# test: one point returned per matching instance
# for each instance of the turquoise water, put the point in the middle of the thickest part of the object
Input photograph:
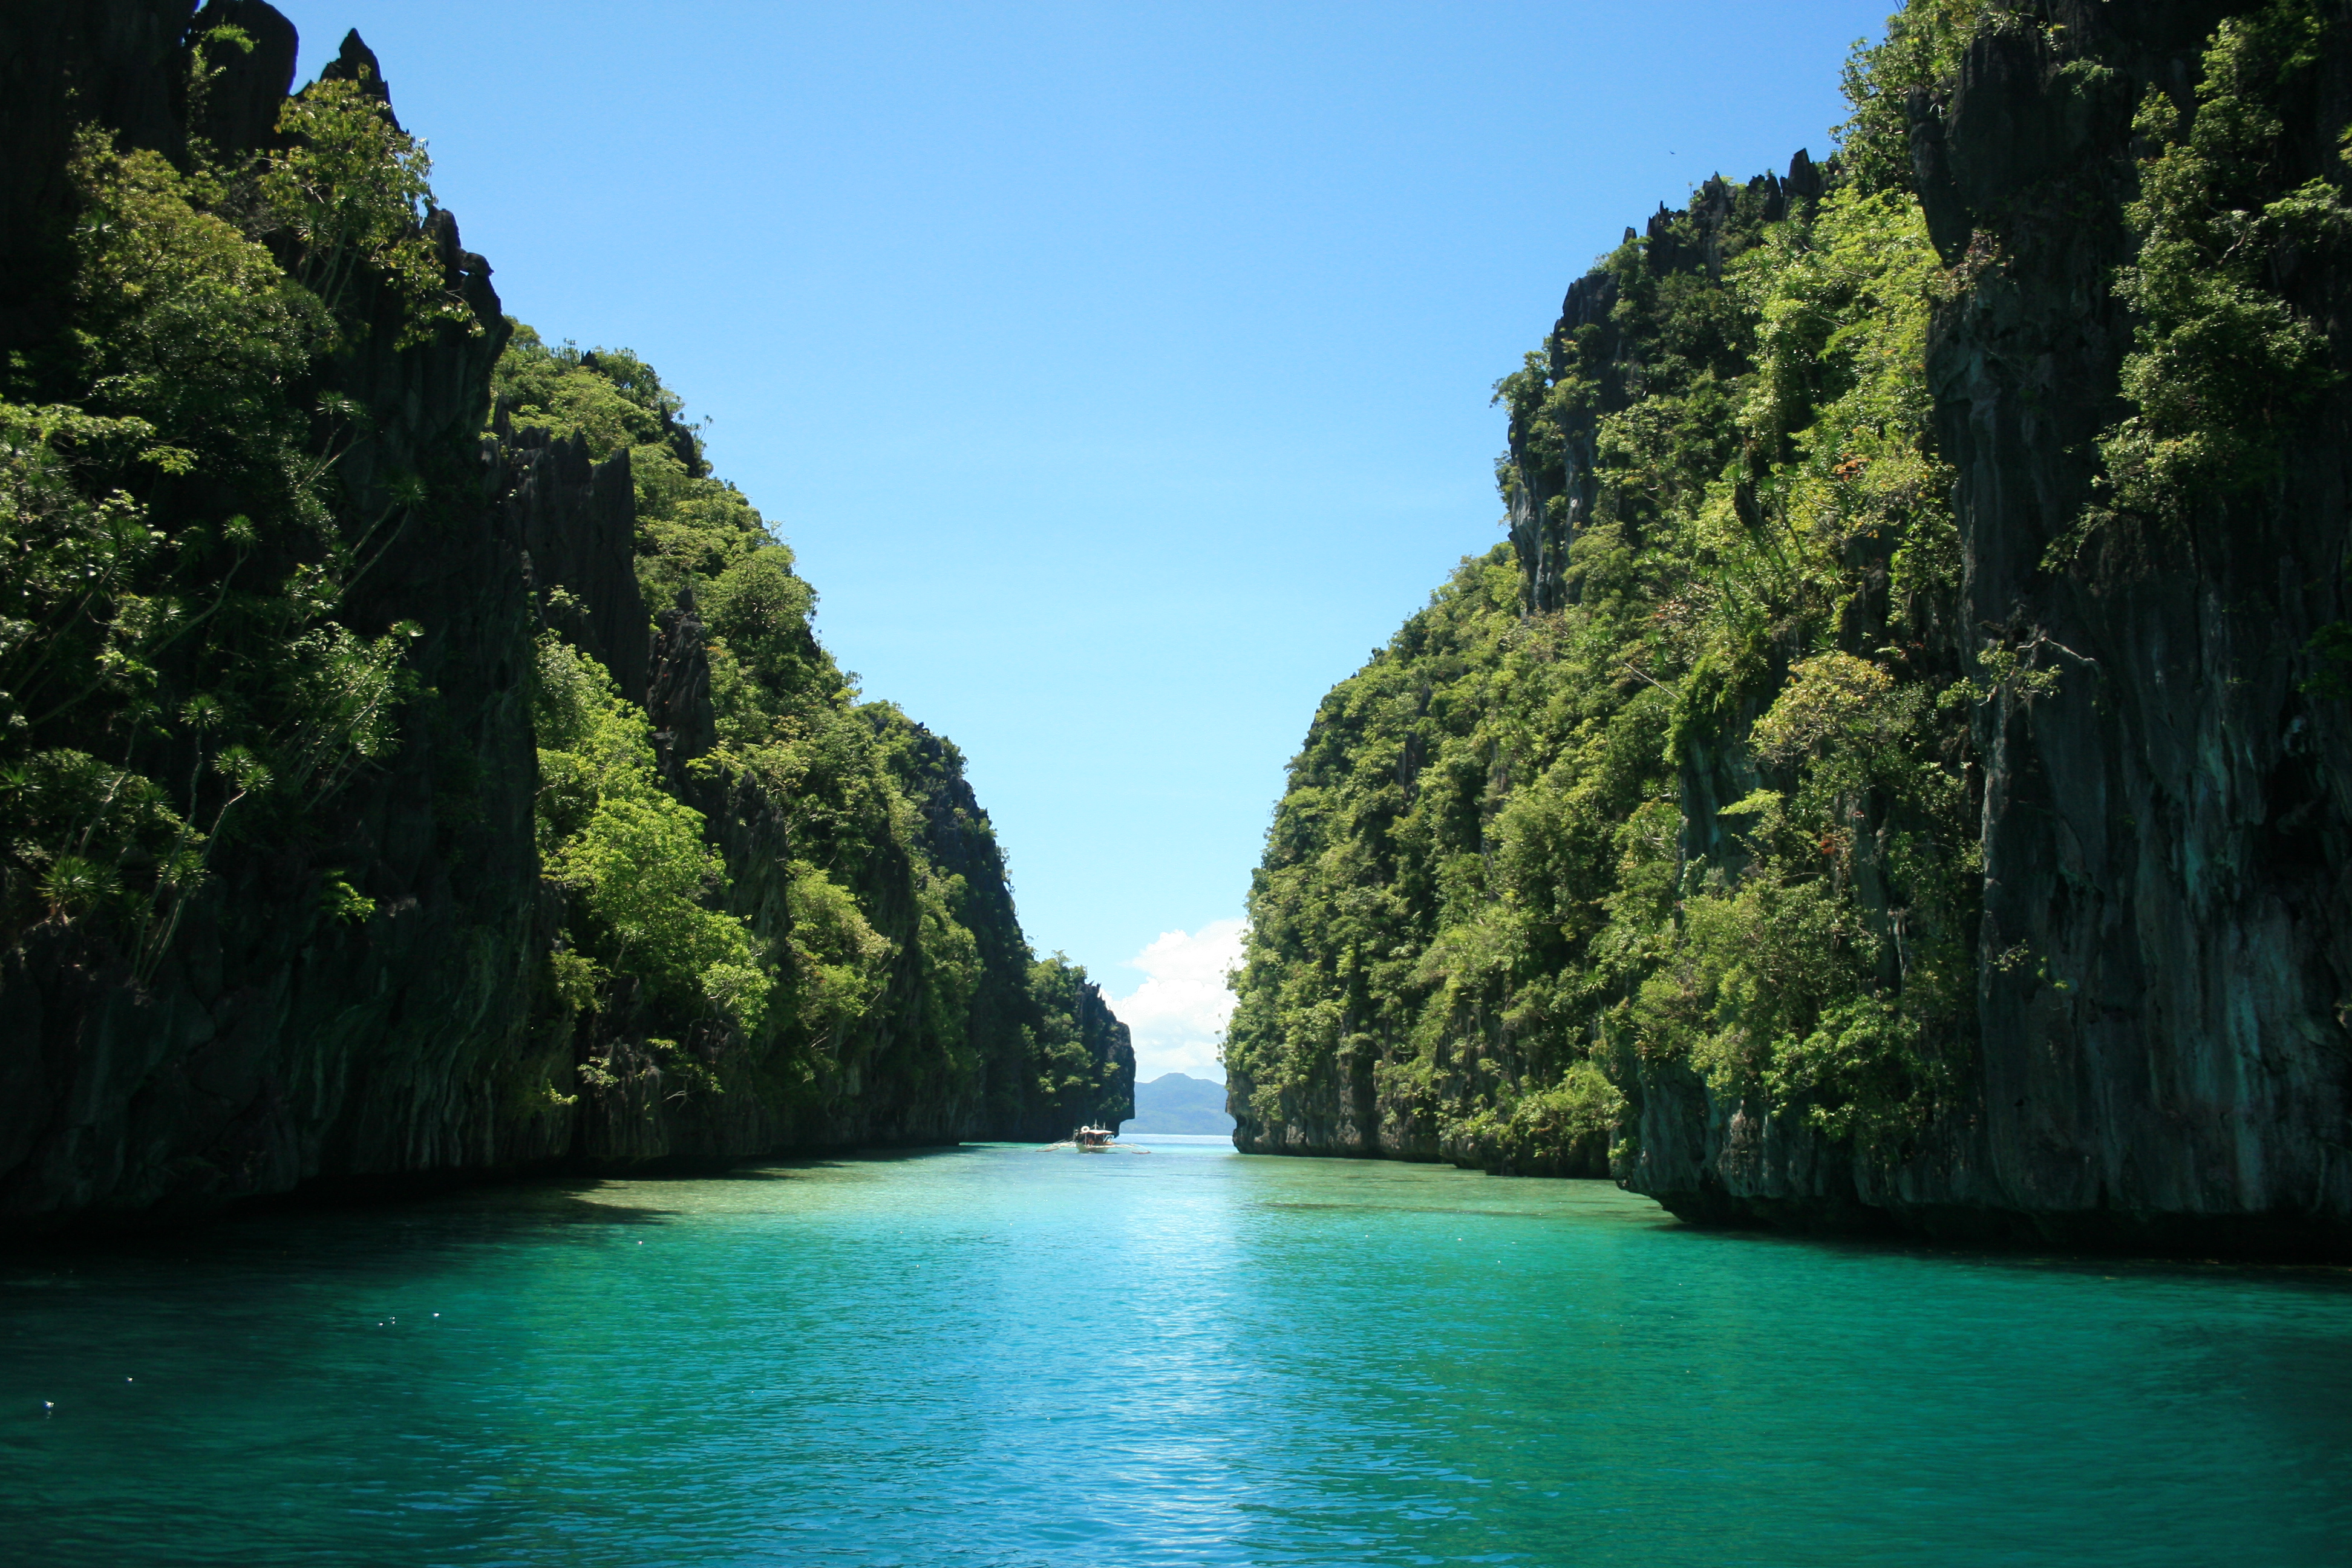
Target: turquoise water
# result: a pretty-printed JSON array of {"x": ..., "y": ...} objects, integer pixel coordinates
[{"x": 996, "y": 1355}]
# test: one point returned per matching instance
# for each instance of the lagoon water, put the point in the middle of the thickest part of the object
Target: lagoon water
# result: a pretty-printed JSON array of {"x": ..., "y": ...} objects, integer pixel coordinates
[{"x": 995, "y": 1355}]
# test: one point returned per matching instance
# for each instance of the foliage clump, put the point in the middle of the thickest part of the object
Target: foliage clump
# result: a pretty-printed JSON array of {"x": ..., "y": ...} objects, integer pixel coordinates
[
  {"x": 182, "y": 659},
  {"x": 631, "y": 854},
  {"x": 2222, "y": 364}
]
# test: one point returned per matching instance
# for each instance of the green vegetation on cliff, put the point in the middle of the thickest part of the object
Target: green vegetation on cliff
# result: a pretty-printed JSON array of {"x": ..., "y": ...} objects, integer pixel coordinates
[
  {"x": 179, "y": 666},
  {"x": 1487, "y": 889},
  {"x": 1666, "y": 822},
  {"x": 631, "y": 857},
  {"x": 1682, "y": 784},
  {"x": 872, "y": 937},
  {"x": 346, "y": 784}
]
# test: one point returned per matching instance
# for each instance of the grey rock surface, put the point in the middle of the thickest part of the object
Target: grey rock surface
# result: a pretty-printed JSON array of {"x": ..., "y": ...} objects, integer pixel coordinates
[{"x": 2158, "y": 1039}]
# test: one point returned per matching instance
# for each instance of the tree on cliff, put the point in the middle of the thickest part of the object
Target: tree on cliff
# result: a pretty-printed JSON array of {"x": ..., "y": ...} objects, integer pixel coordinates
[{"x": 179, "y": 663}]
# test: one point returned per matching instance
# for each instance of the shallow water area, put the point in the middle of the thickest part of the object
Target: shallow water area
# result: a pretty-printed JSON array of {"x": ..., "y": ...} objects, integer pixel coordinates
[{"x": 1167, "y": 1355}]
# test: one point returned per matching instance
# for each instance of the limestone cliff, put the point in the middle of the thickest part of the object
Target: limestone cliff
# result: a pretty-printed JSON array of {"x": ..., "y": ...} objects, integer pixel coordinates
[
  {"x": 357, "y": 985},
  {"x": 2166, "y": 945},
  {"x": 2169, "y": 829},
  {"x": 271, "y": 1044},
  {"x": 1897, "y": 775}
]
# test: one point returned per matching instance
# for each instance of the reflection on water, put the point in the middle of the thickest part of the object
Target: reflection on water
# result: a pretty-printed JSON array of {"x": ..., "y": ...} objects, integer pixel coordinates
[{"x": 997, "y": 1355}]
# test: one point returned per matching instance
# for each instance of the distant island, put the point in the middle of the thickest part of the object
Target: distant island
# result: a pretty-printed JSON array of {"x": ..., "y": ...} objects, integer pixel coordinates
[{"x": 1175, "y": 1103}]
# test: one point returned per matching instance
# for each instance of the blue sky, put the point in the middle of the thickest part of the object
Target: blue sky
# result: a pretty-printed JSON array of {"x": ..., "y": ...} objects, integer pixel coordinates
[{"x": 1120, "y": 373}]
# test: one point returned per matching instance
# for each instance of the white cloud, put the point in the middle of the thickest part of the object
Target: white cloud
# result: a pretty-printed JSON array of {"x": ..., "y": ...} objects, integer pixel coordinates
[{"x": 1178, "y": 1011}]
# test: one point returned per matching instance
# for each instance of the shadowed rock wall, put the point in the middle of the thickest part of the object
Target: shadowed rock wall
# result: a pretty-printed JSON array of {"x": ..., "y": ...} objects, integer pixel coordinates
[
  {"x": 2166, "y": 948},
  {"x": 274, "y": 1046}
]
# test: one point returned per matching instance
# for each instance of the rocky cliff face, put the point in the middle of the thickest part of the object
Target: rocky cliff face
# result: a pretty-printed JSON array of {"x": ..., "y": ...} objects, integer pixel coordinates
[
  {"x": 271, "y": 1044},
  {"x": 2162, "y": 1047},
  {"x": 884, "y": 1077},
  {"x": 2058, "y": 951},
  {"x": 363, "y": 992},
  {"x": 2170, "y": 828},
  {"x": 576, "y": 522}
]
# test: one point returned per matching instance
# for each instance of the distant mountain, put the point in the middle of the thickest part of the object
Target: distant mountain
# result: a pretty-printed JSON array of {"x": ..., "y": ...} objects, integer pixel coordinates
[{"x": 1174, "y": 1103}]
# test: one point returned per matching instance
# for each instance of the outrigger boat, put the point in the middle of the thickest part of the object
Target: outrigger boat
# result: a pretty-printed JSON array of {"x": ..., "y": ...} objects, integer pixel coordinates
[{"x": 1095, "y": 1141}]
